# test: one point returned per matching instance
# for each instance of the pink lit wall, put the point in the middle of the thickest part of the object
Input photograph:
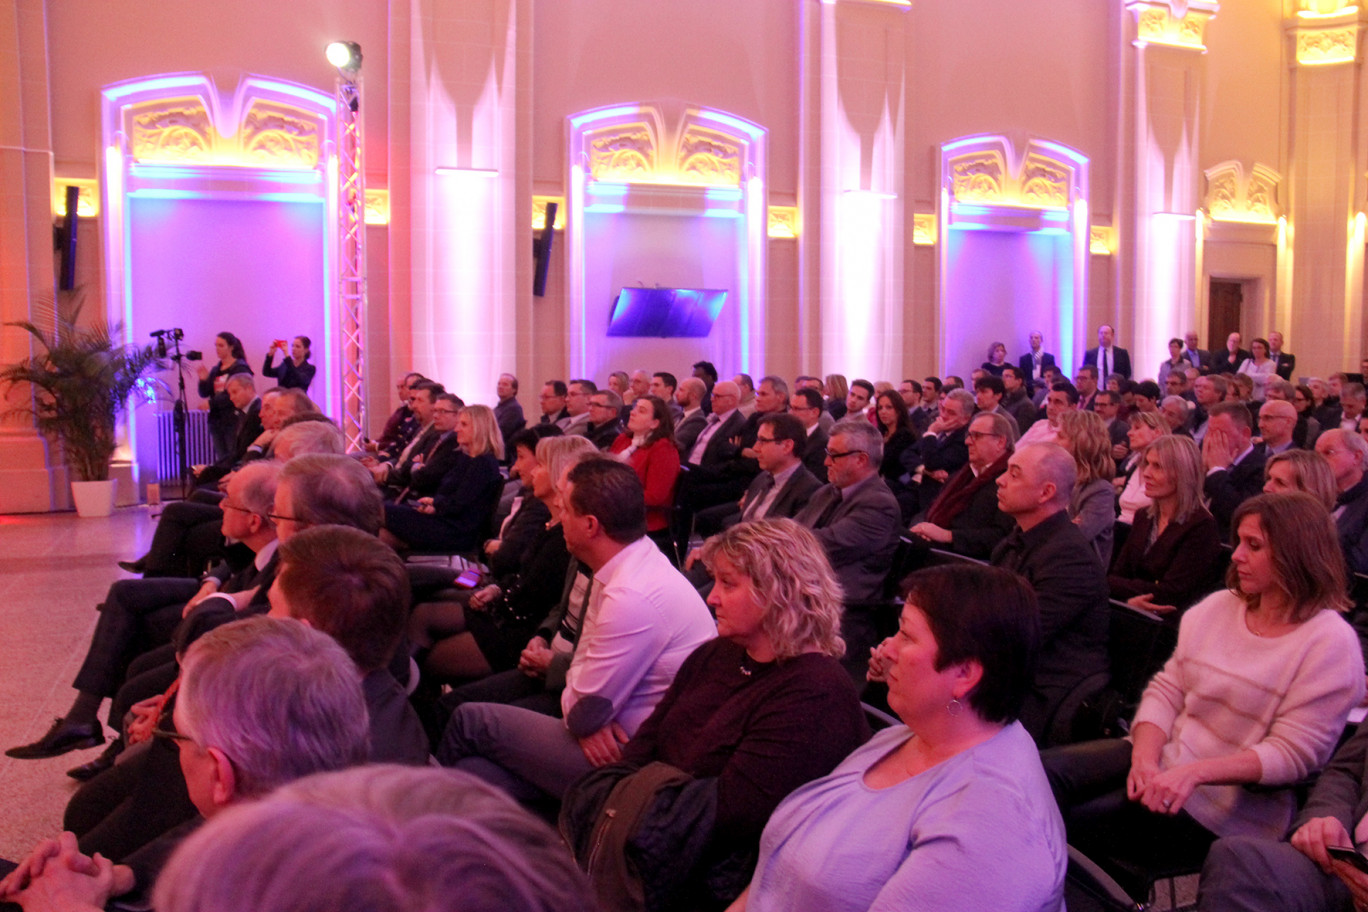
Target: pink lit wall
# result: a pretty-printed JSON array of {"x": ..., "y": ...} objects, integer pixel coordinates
[
  {"x": 251, "y": 268},
  {"x": 672, "y": 252}
]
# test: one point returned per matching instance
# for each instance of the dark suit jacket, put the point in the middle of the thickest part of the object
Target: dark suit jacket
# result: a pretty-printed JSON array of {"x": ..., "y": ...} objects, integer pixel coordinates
[
  {"x": 1352, "y": 526},
  {"x": 860, "y": 534},
  {"x": 1341, "y": 791},
  {"x": 687, "y": 431},
  {"x": 248, "y": 429},
  {"x": 1199, "y": 358},
  {"x": 792, "y": 497},
  {"x": 422, "y": 478},
  {"x": 1221, "y": 362},
  {"x": 720, "y": 451},
  {"x": 1183, "y": 565},
  {"x": 1228, "y": 489},
  {"x": 949, "y": 453},
  {"x": 1027, "y": 365},
  {"x": 1071, "y": 589},
  {"x": 976, "y": 530},
  {"x": 1122, "y": 365},
  {"x": 814, "y": 455},
  {"x": 509, "y": 415},
  {"x": 1285, "y": 364}
]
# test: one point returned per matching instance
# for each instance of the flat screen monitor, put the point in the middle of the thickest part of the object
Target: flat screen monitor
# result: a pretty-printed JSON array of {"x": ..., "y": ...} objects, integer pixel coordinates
[{"x": 666, "y": 313}]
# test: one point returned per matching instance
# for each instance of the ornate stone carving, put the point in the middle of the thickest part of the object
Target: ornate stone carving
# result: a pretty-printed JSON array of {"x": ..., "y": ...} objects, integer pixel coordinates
[
  {"x": 924, "y": 229},
  {"x": 783, "y": 222},
  {"x": 977, "y": 178},
  {"x": 1044, "y": 183},
  {"x": 377, "y": 207},
  {"x": 708, "y": 158},
  {"x": 1234, "y": 195},
  {"x": 1180, "y": 25},
  {"x": 1328, "y": 45},
  {"x": 274, "y": 135},
  {"x": 1099, "y": 240},
  {"x": 171, "y": 130},
  {"x": 623, "y": 153}
]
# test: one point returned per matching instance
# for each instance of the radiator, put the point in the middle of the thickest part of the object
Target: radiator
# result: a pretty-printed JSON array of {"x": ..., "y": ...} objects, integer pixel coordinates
[{"x": 199, "y": 447}]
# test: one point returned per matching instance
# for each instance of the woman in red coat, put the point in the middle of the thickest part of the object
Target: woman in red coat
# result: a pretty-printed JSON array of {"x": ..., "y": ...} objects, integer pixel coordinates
[{"x": 648, "y": 444}]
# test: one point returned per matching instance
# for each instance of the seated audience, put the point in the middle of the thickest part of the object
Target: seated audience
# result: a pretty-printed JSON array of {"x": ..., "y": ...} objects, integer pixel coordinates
[
  {"x": 261, "y": 702},
  {"x": 950, "y": 810},
  {"x": 964, "y": 517},
  {"x": 422, "y": 398},
  {"x": 1173, "y": 555},
  {"x": 421, "y": 473},
  {"x": 1059, "y": 563},
  {"x": 1301, "y": 470},
  {"x": 648, "y": 446},
  {"x": 1015, "y": 400},
  {"x": 483, "y": 630},
  {"x": 1257, "y": 692},
  {"x": 788, "y": 717},
  {"x": 1092, "y": 505},
  {"x": 806, "y": 406},
  {"x": 1277, "y": 421},
  {"x": 457, "y": 515},
  {"x": 605, "y": 422},
  {"x": 784, "y": 485},
  {"x": 1308, "y": 428},
  {"x": 1347, "y": 453},
  {"x": 643, "y": 619},
  {"x": 1268, "y": 874},
  {"x": 1145, "y": 428},
  {"x": 939, "y": 454},
  {"x": 380, "y": 838},
  {"x": 692, "y": 419},
  {"x": 894, "y": 423}
]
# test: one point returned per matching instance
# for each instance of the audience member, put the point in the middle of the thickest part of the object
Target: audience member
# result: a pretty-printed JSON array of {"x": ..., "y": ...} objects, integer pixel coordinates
[
  {"x": 1277, "y": 422},
  {"x": 806, "y": 406},
  {"x": 940, "y": 452},
  {"x": 1308, "y": 428},
  {"x": 1301, "y": 470},
  {"x": 1015, "y": 400},
  {"x": 294, "y": 372},
  {"x": 552, "y": 401},
  {"x": 1145, "y": 428},
  {"x": 1259, "y": 367},
  {"x": 605, "y": 423},
  {"x": 964, "y": 517},
  {"x": 691, "y": 419},
  {"x": 949, "y": 810},
  {"x": 1059, "y": 563},
  {"x": 1107, "y": 357},
  {"x": 508, "y": 412},
  {"x": 576, "y": 419},
  {"x": 1347, "y": 454},
  {"x": 1234, "y": 465},
  {"x": 1229, "y": 359},
  {"x": 1174, "y": 365},
  {"x": 1035, "y": 362},
  {"x": 997, "y": 359},
  {"x": 1092, "y": 503},
  {"x": 648, "y": 446},
  {"x": 1173, "y": 555}
]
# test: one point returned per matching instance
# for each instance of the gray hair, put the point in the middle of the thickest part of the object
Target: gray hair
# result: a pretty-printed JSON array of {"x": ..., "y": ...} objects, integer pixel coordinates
[
  {"x": 1054, "y": 465},
  {"x": 309, "y": 435},
  {"x": 862, "y": 436},
  {"x": 259, "y": 480},
  {"x": 298, "y": 401},
  {"x": 1179, "y": 401},
  {"x": 280, "y": 699},
  {"x": 381, "y": 837},
  {"x": 613, "y": 398},
  {"x": 240, "y": 379},
  {"x": 327, "y": 489},
  {"x": 1001, "y": 426},
  {"x": 777, "y": 384},
  {"x": 964, "y": 398}
]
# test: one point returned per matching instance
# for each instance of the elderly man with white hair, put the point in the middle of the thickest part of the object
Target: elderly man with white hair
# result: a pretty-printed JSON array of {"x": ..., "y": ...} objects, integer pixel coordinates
[{"x": 1347, "y": 454}]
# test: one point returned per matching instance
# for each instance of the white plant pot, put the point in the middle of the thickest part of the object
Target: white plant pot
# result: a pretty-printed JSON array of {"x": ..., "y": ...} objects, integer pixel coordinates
[{"x": 94, "y": 498}]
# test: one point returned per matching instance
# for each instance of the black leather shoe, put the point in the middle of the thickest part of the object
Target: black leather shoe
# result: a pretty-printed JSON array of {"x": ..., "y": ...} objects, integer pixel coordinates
[
  {"x": 133, "y": 566},
  {"x": 93, "y": 768},
  {"x": 62, "y": 737}
]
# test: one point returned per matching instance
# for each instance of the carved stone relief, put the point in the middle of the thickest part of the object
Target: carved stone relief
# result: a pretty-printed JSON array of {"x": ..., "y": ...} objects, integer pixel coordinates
[
  {"x": 977, "y": 177},
  {"x": 622, "y": 153},
  {"x": 1045, "y": 182},
  {"x": 274, "y": 135},
  {"x": 176, "y": 130},
  {"x": 1239, "y": 196},
  {"x": 708, "y": 158}
]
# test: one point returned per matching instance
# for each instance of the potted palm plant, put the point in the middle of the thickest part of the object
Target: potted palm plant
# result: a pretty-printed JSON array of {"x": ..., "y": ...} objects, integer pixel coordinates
[{"x": 81, "y": 380}]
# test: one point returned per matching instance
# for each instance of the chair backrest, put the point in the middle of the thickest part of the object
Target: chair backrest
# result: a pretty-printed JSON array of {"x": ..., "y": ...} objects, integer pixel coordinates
[
  {"x": 1088, "y": 888},
  {"x": 1139, "y": 643},
  {"x": 878, "y": 719}
]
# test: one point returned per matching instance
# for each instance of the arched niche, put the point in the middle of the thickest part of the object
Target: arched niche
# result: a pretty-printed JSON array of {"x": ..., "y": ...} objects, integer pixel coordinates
[
  {"x": 1013, "y": 248},
  {"x": 221, "y": 214},
  {"x": 665, "y": 195}
]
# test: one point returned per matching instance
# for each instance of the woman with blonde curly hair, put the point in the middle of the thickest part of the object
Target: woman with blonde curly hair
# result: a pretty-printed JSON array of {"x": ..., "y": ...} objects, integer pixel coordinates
[
  {"x": 764, "y": 708},
  {"x": 1093, "y": 504}
]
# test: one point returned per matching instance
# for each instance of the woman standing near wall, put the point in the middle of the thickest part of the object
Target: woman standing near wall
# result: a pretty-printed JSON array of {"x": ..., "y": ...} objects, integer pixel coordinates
[
  {"x": 213, "y": 387},
  {"x": 295, "y": 372}
]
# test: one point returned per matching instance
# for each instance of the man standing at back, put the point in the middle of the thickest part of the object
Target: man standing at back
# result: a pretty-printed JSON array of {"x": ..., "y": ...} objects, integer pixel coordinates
[
  {"x": 1107, "y": 357},
  {"x": 643, "y": 620}
]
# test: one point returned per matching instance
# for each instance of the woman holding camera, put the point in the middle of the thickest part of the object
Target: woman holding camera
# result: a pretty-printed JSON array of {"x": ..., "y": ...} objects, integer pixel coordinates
[{"x": 295, "y": 372}]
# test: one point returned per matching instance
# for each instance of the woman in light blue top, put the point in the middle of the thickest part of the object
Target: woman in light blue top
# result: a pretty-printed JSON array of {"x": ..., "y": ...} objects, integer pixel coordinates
[{"x": 950, "y": 811}]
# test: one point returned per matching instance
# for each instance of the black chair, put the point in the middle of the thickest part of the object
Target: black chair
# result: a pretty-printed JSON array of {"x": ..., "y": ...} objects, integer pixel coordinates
[{"x": 1088, "y": 888}]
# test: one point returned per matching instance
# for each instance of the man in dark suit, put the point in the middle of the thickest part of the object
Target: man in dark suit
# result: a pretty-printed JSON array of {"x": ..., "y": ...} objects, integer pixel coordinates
[
  {"x": 965, "y": 517},
  {"x": 1258, "y": 873},
  {"x": 857, "y": 519},
  {"x": 1284, "y": 364},
  {"x": 1234, "y": 466},
  {"x": 1107, "y": 358},
  {"x": 422, "y": 401},
  {"x": 689, "y": 398},
  {"x": 242, "y": 393},
  {"x": 1108, "y": 405},
  {"x": 1016, "y": 402},
  {"x": 1199, "y": 358},
  {"x": 139, "y": 615},
  {"x": 1034, "y": 362},
  {"x": 421, "y": 473},
  {"x": 783, "y": 486},
  {"x": 1063, "y": 569},
  {"x": 1348, "y": 457},
  {"x": 1229, "y": 359},
  {"x": 941, "y": 452},
  {"x": 508, "y": 412},
  {"x": 604, "y": 425},
  {"x": 807, "y": 406},
  {"x": 713, "y": 471}
]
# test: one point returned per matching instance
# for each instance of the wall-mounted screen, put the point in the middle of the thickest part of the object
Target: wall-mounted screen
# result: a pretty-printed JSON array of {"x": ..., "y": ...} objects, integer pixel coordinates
[{"x": 667, "y": 313}]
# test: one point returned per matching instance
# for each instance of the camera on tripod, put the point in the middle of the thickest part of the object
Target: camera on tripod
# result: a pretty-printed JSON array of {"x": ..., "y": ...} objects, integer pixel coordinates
[{"x": 174, "y": 336}]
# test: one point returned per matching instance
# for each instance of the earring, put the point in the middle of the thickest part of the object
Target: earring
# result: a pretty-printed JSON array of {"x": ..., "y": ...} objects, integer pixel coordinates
[{"x": 954, "y": 706}]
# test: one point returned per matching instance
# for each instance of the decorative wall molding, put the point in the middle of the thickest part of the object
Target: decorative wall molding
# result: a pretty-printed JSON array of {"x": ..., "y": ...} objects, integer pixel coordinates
[
  {"x": 273, "y": 133},
  {"x": 978, "y": 177},
  {"x": 1326, "y": 32},
  {"x": 623, "y": 152},
  {"x": 1100, "y": 240},
  {"x": 708, "y": 158},
  {"x": 377, "y": 207},
  {"x": 782, "y": 222},
  {"x": 170, "y": 130},
  {"x": 924, "y": 229},
  {"x": 983, "y": 170},
  {"x": 635, "y": 145},
  {"x": 1236, "y": 195},
  {"x": 1173, "y": 23}
]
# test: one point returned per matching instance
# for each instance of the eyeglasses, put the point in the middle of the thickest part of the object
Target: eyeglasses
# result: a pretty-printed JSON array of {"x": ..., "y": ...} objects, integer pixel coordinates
[
  {"x": 225, "y": 505},
  {"x": 172, "y": 735},
  {"x": 602, "y": 405},
  {"x": 833, "y": 455},
  {"x": 977, "y": 435},
  {"x": 276, "y": 517},
  {"x": 759, "y": 439},
  {"x": 445, "y": 411}
]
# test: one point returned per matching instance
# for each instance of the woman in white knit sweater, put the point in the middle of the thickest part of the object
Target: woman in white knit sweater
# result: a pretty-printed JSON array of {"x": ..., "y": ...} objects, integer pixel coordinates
[{"x": 1256, "y": 693}]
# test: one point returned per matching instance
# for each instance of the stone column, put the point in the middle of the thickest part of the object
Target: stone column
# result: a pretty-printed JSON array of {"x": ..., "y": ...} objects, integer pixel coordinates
[
  {"x": 1159, "y": 177},
  {"x": 1325, "y": 185},
  {"x": 27, "y": 484},
  {"x": 851, "y": 186},
  {"x": 461, "y": 189}
]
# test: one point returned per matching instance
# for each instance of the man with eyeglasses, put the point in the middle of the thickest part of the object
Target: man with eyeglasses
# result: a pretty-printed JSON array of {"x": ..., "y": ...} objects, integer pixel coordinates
[
  {"x": 807, "y": 406},
  {"x": 422, "y": 473},
  {"x": 577, "y": 393},
  {"x": 401, "y": 424},
  {"x": 1348, "y": 455},
  {"x": 691, "y": 418},
  {"x": 714, "y": 472},
  {"x": 965, "y": 518},
  {"x": 422, "y": 400},
  {"x": 604, "y": 425},
  {"x": 940, "y": 453},
  {"x": 1277, "y": 421},
  {"x": 262, "y": 702},
  {"x": 783, "y": 486},
  {"x": 552, "y": 400},
  {"x": 138, "y": 616}
]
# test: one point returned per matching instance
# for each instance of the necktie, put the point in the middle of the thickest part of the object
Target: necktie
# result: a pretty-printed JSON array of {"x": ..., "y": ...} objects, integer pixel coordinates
[
  {"x": 753, "y": 506},
  {"x": 1105, "y": 369}
]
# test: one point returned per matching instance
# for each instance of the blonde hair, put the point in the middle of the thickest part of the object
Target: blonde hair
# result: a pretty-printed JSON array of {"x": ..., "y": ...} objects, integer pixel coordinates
[
  {"x": 1181, "y": 460},
  {"x": 839, "y": 386},
  {"x": 1088, "y": 440},
  {"x": 559, "y": 454},
  {"x": 488, "y": 437},
  {"x": 1311, "y": 473},
  {"x": 791, "y": 576}
]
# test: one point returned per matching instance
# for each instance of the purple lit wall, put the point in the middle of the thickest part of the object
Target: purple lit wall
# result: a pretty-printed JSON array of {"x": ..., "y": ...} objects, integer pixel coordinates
[
  {"x": 253, "y": 268},
  {"x": 1001, "y": 286}
]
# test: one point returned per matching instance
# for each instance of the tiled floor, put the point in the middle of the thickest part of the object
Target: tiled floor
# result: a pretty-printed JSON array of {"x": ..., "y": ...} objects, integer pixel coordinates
[{"x": 54, "y": 570}]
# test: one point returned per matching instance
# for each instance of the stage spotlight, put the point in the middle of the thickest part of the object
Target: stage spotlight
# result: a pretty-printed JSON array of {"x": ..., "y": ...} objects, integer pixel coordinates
[{"x": 345, "y": 55}]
